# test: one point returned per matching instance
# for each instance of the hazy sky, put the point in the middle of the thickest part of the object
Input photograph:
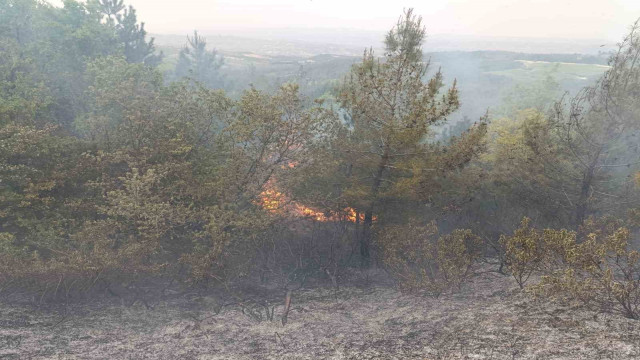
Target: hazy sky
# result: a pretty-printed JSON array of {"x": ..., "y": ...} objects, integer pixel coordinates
[{"x": 601, "y": 19}]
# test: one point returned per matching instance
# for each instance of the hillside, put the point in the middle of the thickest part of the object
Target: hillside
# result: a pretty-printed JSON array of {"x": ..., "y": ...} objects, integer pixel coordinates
[{"x": 292, "y": 194}]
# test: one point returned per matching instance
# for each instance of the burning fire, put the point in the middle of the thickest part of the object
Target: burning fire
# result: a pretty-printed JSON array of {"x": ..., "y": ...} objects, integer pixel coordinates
[
  {"x": 275, "y": 201},
  {"x": 304, "y": 211},
  {"x": 271, "y": 200}
]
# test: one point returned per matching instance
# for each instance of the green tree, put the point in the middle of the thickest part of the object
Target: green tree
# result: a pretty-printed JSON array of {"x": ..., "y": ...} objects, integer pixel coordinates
[{"x": 131, "y": 34}]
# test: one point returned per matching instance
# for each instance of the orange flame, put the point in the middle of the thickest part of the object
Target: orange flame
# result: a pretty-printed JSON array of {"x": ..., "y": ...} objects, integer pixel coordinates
[
  {"x": 271, "y": 199},
  {"x": 304, "y": 211},
  {"x": 275, "y": 201}
]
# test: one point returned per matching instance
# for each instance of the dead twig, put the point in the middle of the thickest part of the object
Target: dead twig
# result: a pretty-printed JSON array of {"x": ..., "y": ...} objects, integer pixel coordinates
[
  {"x": 278, "y": 337},
  {"x": 287, "y": 307}
]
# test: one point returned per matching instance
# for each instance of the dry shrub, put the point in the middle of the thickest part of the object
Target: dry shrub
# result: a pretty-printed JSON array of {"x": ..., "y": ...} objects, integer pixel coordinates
[
  {"x": 140, "y": 233},
  {"x": 420, "y": 260},
  {"x": 523, "y": 252},
  {"x": 295, "y": 250},
  {"x": 106, "y": 259},
  {"x": 602, "y": 272},
  {"x": 530, "y": 251},
  {"x": 595, "y": 266},
  {"x": 95, "y": 263}
]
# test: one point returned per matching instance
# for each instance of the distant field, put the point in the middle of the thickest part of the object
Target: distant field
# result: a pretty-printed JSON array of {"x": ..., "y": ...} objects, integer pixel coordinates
[
  {"x": 562, "y": 71},
  {"x": 280, "y": 58}
]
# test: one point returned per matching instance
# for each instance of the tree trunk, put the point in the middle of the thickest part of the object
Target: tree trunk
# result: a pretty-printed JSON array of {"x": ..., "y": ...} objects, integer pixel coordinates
[
  {"x": 365, "y": 239},
  {"x": 582, "y": 206}
]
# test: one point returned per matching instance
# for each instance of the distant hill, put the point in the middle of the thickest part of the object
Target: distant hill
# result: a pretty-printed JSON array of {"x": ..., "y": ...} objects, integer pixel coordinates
[{"x": 484, "y": 77}]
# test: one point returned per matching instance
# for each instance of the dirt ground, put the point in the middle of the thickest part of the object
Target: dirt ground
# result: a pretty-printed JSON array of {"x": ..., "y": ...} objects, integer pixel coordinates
[{"x": 488, "y": 319}]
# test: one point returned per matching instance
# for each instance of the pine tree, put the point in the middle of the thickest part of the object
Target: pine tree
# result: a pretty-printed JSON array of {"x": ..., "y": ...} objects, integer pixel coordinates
[
  {"x": 200, "y": 64},
  {"x": 391, "y": 110},
  {"x": 131, "y": 34}
]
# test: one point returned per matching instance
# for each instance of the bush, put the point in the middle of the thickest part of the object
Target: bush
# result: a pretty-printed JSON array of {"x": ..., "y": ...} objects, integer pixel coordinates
[
  {"x": 523, "y": 252},
  {"x": 420, "y": 260},
  {"x": 594, "y": 266},
  {"x": 601, "y": 272}
]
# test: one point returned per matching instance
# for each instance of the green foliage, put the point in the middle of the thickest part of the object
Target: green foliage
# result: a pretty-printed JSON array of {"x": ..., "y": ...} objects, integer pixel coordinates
[
  {"x": 133, "y": 36},
  {"x": 391, "y": 109},
  {"x": 524, "y": 252},
  {"x": 130, "y": 35},
  {"x": 41, "y": 194},
  {"x": 539, "y": 95},
  {"x": 24, "y": 96},
  {"x": 123, "y": 103},
  {"x": 48, "y": 48},
  {"x": 561, "y": 167},
  {"x": 596, "y": 267}
]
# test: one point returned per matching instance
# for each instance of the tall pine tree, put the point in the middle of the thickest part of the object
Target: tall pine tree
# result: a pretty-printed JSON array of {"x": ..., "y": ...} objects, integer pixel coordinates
[
  {"x": 200, "y": 64},
  {"x": 392, "y": 111}
]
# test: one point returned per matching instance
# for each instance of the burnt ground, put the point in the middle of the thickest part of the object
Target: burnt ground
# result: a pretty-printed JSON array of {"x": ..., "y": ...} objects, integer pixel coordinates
[{"x": 488, "y": 319}]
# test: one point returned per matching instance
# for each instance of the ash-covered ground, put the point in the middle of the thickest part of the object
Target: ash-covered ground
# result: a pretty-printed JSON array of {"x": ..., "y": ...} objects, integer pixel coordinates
[{"x": 489, "y": 318}]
